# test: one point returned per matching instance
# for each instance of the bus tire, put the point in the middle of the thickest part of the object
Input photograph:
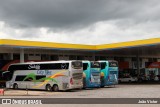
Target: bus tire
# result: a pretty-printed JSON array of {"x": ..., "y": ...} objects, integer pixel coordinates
[
  {"x": 84, "y": 88},
  {"x": 102, "y": 86},
  {"x": 55, "y": 88},
  {"x": 15, "y": 86},
  {"x": 48, "y": 87}
]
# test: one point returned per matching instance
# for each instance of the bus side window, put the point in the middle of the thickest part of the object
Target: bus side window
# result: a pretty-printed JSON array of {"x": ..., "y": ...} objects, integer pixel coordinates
[
  {"x": 19, "y": 78},
  {"x": 85, "y": 66},
  {"x": 40, "y": 78},
  {"x": 103, "y": 65},
  {"x": 29, "y": 79}
]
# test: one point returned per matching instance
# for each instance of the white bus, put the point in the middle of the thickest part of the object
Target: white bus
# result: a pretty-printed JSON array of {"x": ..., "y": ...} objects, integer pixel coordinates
[{"x": 51, "y": 75}]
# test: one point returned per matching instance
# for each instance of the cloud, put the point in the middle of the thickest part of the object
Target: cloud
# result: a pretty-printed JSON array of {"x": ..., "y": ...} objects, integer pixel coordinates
[
  {"x": 74, "y": 13},
  {"x": 79, "y": 21},
  {"x": 50, "y": 13}
]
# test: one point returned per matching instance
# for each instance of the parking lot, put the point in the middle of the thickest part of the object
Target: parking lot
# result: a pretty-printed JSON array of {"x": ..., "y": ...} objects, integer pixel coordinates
[{"x": 120, "y": 91}]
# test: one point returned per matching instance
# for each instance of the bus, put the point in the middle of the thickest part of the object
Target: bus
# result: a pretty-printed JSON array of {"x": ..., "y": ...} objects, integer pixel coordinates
[
  {"x": 109, "y": 72},
  {"x": 49, "y": 76},
  {"x": 91, "y": 74}
]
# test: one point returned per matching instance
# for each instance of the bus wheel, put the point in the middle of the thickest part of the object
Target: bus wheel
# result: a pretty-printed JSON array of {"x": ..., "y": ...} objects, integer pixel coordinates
[
  {"x": 55, "y": 88},
  {"x": 102, "y": 86},
  {"x": 48, "y": 87},
  {"x": 15, "y": 86}
]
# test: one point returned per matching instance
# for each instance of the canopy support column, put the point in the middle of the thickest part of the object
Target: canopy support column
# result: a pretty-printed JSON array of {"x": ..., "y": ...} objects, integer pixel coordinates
[{"x": 21, "y": 55}]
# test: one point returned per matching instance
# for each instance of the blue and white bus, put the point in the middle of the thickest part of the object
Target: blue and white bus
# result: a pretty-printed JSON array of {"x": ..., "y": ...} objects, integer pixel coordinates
[
  {"x": 91, "y": 74},
  {"x": 109, "y": 72}
]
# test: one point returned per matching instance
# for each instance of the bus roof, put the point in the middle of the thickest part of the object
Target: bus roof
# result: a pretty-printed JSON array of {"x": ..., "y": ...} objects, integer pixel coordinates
[
  {"x": 45, "y": 62},
  {"x": 107, "y": 61},
  {"x": 88, "y": 61}
]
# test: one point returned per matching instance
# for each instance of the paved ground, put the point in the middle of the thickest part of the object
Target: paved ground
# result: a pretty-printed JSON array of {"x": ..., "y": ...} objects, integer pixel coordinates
[{"x": 120, "y": 91}]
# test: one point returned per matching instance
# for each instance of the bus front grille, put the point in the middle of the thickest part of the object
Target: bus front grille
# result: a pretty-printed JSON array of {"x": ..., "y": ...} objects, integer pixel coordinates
[{"x": 77, "y": 76}]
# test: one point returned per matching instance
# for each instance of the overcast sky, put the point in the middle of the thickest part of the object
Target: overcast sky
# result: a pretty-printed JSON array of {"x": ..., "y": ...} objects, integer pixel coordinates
[{"x": 80, "y": 21}]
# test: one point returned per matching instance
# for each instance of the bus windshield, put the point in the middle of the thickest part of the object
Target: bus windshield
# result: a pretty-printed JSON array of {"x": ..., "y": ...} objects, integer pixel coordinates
[
  {"x": 77, "y": 64},
  {"x": 95, "y": 65},
  {"x": 113, "y": 64}
]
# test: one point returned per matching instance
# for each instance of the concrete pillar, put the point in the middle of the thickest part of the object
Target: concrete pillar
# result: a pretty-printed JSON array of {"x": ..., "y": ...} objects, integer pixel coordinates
[
  {"x": 11, "y": 56},
  {"x": 76, "y": 57},
  {"x": 94, "y": 55},
  {"x": 138, "y": 64},
  {"x": 21, "y": 55},
  {"x": 143, "y": 62}
]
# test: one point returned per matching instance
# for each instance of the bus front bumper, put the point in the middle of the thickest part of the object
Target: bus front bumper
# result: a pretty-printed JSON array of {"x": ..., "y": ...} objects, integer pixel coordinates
[
  {"x": 93, "y": 85},
  {"x": 111, "y": 83},
  {"x": 76, "y": 86}
]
